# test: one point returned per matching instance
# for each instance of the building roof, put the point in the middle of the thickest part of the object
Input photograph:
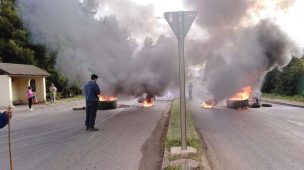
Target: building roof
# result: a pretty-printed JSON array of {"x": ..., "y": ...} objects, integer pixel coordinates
[{"x": 21, "y": 70}]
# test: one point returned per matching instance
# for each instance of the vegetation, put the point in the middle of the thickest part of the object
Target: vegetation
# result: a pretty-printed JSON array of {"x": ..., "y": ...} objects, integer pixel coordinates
[
  {"x": 16, "y": 47},
  {"x": 296, "y": 98},
  {"x": 173, "y": 135},
  {"x": 173, "y": 168},
  {"x": 288, "y": 82}
]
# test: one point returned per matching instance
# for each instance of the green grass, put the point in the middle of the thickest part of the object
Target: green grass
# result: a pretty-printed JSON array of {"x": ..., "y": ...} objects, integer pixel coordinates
[
  {"x": 296, "y": 98},
  {"x": 173, "y": 168},
  {"x": 66, "y": 99},
  {"x": 74, "y": 98},
  {"x": 173, "y": 135}
]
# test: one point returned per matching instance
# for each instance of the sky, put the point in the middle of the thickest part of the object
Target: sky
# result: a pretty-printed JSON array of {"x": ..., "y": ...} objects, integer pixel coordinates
[
  {"x": 291, "y": 20},
  {"x": 162, "y": 6}
]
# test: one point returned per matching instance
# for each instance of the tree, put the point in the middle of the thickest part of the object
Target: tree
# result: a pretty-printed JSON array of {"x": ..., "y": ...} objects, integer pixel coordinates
[
  {"x": 13, "y": 38},
  {"x": 270, "y": 81},
  {"x": 290, "y": 78},
  {"x": 15, "y": 44},
  {"x": 288, "y": 82},
  {"x": 16, "y": 47}
]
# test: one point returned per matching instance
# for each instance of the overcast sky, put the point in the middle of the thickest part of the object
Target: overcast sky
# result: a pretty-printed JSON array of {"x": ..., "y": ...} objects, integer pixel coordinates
[{"x": 291, "y": 20}]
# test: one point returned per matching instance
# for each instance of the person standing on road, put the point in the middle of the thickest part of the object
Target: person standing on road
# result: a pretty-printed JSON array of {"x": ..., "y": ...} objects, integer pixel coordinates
[
  {"x": 92, "y": 92},
  {"x": 4, "y": 117},
  {"x": 29, "y": 96},
  {"x": 190, "y": 87},
  {"x": 53, "y": 91}
]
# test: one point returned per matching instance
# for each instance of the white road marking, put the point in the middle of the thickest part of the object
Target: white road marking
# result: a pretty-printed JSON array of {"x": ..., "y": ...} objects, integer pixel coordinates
[{"x": 297, "y": 123}]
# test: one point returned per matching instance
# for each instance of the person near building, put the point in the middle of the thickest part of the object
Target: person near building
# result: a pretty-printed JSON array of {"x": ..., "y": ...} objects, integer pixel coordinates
[
  {"x": 53, "y": 91},
  {"x": 30, "y": 96}
]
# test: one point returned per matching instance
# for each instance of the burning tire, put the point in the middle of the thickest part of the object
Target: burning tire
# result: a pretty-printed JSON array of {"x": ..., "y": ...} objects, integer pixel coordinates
[
  {"x": 107, "y": 105},
  {"x": 237, "y": 104},
  {"x": 107, "y": 102}
]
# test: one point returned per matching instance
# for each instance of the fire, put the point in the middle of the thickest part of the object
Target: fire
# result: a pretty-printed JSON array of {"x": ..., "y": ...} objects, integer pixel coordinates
[
  {"x": 243, "y": 94},
  {"x": 148, "y": 102},
  {"x": 107, "y": 98},
  {"x": 208, "y": 104}
]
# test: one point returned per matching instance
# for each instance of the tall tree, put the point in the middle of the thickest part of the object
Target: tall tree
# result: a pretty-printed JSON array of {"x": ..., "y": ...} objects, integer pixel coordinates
[
  {"x": 16, "y": 47},
  {"x": 15, "y": 44},
  {"x": 13, "y": 38}
]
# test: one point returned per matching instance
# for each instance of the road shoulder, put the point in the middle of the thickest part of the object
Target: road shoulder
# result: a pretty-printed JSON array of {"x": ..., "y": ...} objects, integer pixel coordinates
[{"x": 153, "y": 148}]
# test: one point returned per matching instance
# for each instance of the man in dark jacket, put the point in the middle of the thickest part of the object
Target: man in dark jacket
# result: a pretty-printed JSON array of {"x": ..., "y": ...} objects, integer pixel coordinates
[
  {"x": 92, "y": 92},
  {"x": 4, "y": 118}
]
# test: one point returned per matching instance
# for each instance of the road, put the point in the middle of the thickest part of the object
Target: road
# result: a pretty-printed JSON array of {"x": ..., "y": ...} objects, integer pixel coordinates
[
  {"x": 252, "y": 139},
  {"x": 54, "y": 138}
]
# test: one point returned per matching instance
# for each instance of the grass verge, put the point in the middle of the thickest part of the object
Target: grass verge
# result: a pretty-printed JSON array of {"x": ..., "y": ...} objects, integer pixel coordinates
[
  {"x": 174, "y": 168},
  {"x": 65, "y": 100},
  {"x": 173, "y": 134},
  {"x": 296, "y": 98}
]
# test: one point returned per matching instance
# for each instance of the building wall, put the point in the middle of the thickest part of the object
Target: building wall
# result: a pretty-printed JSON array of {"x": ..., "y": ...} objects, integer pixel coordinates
[
  {"x": 40, "y": 89},
  {"x": 5, "y": 91},
  {"x": 20, "y": 86}
]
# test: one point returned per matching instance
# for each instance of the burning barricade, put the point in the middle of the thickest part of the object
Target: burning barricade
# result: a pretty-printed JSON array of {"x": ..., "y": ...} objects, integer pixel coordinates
[
  {"x": 209, "y": 104},
  {"x": 240, "y": 99},
  {"x": 107, "y": 102},
  {"x": 147, "y": 100}
]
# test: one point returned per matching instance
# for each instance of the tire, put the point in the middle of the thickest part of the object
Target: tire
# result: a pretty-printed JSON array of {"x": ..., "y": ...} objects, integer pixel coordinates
[
  {"x": 107, "y": 105},
  {"x": 255, "y": 105},
  {"x": 266, "y": 105},
  {"x": 237, "y": 104}
]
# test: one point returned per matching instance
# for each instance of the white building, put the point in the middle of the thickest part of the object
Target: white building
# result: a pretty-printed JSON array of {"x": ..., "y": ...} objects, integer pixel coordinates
[{"x": 14, "y": 82}]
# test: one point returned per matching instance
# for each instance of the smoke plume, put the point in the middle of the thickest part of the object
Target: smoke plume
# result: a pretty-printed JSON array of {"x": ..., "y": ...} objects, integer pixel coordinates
[
  {"x": 250, "y": 47},
  {"x": 101, "y": 36},
  {"x": 104, "y": 46},
  {"x": 257, "y": 50},
  {"x": 139, "y": 19},
  {"x": 161, "y": 72}
]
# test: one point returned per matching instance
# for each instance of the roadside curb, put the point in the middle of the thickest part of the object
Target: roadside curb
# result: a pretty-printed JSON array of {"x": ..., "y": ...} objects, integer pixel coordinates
[
  {"x": 205, "y": 163},
  {"x": 166, "y": 161},
  {"x": 281, "y": 102}
]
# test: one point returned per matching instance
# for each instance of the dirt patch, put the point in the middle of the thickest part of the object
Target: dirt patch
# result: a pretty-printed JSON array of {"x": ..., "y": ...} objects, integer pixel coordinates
[{"x": 154, "y": 146}]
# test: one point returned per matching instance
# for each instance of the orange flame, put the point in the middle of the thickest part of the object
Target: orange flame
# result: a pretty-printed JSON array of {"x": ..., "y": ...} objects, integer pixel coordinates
[
  {"x": 148, "y": 103},
  {"x": 208, "y": 104},
  {"x": 107, "y": 98},
  {"x": 243, "y": 94}
]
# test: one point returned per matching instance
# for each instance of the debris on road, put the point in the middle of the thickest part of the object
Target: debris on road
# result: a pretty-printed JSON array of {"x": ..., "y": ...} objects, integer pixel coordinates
[
  {"x": 79, "y": 108},
  {"x": 266, "y": 105}
]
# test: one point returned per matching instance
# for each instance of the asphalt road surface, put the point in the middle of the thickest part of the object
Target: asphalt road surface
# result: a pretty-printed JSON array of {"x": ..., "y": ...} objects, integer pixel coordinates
[
  {"x": 54, "y": 138},
  {"x": 252, "y": 139}
]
